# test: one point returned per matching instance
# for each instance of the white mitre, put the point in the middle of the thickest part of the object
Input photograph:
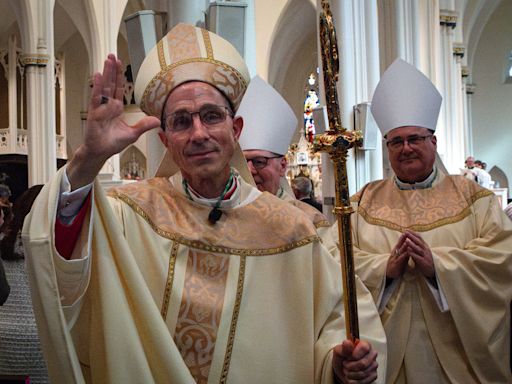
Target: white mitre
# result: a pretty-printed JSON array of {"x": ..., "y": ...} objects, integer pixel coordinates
[
  {"x": 269, "y": 122},
  {"x": 188, "y": 53},
  {"x": 405, "y": 97}
]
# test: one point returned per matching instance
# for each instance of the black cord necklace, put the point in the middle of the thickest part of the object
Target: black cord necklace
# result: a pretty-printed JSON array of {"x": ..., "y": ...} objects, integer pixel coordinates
[{"x": 215, "y": 214}]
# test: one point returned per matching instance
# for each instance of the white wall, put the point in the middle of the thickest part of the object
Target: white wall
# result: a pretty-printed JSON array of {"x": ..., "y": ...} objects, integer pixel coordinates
[{"x": 492, "y": 100}]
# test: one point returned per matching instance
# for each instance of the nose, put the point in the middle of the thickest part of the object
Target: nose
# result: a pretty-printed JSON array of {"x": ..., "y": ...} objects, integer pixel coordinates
[
  {"x": 407, "y": 147},
  {"x": 198, "y": 131}
]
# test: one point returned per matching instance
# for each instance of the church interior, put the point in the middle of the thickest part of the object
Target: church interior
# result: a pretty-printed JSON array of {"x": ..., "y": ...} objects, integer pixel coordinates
[
  {"x": 49, "y": 50},
  {"x": 49, "y": 53}
]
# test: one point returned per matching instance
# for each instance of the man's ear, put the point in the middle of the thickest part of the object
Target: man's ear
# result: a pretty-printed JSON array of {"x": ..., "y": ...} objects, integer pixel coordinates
[
  {"x": 163, "y": 137},
  {"x": 283, "y": 163},
  {"x": 433, "y": 139},
  {"x": 238, "y": 124}
]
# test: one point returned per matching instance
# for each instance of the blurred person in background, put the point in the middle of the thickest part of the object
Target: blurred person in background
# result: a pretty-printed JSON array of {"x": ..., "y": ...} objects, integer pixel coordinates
[
  {"x": 302, "y": 188},
  {"x": 20, "y": 350},
  {"x": 4, "y": 285}
]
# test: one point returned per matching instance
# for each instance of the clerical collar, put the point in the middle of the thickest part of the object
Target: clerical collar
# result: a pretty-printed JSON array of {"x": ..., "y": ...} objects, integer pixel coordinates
[
  {"x": 427, "y": 183},
  {"x": 280, "y": 192},
  {"x": 229, "y": 198}
]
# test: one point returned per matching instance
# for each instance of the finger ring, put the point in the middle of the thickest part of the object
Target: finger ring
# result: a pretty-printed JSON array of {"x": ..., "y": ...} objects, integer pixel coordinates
[{"x": 104, "y": 99}]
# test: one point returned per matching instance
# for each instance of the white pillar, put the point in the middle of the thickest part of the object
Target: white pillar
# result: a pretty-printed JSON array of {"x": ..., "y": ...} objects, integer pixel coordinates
[
  {"x": 356, "y": 27},
  {"x": 186, "y": 11},
  {"x": 104, "y": 41},
  {"x": 12, "y": 94},
  {"x": 61, "y": 137},
  {"x": 39, "y": 74},
  {"x": 470, "y": 89},
  {"x": 369, "y": 165},
  {"x": 409, "y": 29},
  {"x": 450, "y": 131}
]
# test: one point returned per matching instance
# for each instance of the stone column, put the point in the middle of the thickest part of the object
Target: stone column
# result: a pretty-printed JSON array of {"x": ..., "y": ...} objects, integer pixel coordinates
[
  {"x": 470, "y": 90},
  {"x": 451, "y": 129},
  {"x": 12, "y": 93},
  {"x": 408, "y": 30},
  {"x": 39, "y": 76},
  {"x": 104, "y": 41},
  {"x": 356, "y": 27},
  {"x": 186, "y": 11}
]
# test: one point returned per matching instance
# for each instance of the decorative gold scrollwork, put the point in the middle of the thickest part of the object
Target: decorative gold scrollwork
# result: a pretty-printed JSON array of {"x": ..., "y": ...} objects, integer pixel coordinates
[{"x": 336, "y": 141}]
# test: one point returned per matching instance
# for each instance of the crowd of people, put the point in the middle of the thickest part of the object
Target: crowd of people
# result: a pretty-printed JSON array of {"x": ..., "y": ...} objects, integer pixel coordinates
[
  {"x": 477, "y": 170},
  {"x": 219, "y": 270}
]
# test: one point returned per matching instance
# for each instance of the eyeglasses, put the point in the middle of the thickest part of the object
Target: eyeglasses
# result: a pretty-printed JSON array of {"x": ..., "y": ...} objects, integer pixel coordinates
[
  {"x": 261, "y": 162},
  {"x": 398, "y": 143},
  {"x": 209, "y": 114}
]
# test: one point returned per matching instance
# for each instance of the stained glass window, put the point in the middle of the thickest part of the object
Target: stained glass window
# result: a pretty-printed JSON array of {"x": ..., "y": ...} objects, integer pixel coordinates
[{"x": 311, "y": 102}]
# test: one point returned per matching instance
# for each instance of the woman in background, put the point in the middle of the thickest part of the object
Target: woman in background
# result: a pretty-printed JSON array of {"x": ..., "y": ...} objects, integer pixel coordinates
[{"x": 20, "y": 351}]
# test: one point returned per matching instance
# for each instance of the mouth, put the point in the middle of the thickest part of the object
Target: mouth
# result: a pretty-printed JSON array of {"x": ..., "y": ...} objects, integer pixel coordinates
[
  {"x": 408, "y": 159},
  {"x": 200, "y": 153}
]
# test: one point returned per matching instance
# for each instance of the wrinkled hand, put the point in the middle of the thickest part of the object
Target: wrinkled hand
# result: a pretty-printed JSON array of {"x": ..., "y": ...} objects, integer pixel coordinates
[
  {"x": 420, "y": 252},
  {"x": 398, "y": 259},
  {"x": 106, "y": 133},
  {"x": 354, "y": 363}
]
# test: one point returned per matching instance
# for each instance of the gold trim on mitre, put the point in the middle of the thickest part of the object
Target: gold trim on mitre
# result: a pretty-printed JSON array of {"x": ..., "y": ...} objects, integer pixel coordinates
[{"x": 188, "y": 53}]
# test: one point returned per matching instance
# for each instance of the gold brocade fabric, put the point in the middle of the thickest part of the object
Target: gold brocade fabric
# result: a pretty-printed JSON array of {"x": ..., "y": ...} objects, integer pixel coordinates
[
  {"x": 279, "y": 227},
  {"x": 464, "y": 335},
  {"x": 182, "y": 45},
  {"x": 200, "y": 311},
  {"x": 188, "y": 53},
  {"x": 131, "y": 305},
  {"x": 421, "y": 209},
  {"x": 316, "y": 216}
]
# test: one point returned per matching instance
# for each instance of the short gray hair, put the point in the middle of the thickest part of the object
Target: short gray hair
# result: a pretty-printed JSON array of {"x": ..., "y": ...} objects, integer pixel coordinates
[{"x": 303, "y": 185}]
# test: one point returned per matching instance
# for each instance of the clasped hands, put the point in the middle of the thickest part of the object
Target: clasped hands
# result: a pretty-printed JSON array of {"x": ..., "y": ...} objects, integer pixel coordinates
[{"x": 410, "y": 245}]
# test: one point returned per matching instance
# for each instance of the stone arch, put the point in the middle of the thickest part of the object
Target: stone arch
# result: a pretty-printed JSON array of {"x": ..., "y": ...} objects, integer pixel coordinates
[
  {"x": 499, "y": 177},
  {"x": 133, "y": 164},
  {"x": 293, "y": 54}
]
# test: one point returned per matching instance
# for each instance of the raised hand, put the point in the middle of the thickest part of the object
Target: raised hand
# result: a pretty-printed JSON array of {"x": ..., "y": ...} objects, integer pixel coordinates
[{"x": 106, "y": 133}]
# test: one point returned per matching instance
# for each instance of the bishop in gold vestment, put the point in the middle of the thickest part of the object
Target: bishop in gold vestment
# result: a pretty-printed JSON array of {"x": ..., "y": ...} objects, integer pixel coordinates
[
  {"x": 192, "y": 277},
  {"x": 434, "y": 250},
  {"x": 252, "y": 301},
  {"x": 464, "y": 337}
]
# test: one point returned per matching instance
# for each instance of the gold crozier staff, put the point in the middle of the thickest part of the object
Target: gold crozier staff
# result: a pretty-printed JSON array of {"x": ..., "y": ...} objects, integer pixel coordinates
[{"x": 336, "y": 142}]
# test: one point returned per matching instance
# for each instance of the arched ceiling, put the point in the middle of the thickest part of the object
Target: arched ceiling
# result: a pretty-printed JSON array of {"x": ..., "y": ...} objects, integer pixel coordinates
[
  {"x": 475, "y": 14},
  {"x": 293, "y": 54},
  {"x": 8, "y": 24}
]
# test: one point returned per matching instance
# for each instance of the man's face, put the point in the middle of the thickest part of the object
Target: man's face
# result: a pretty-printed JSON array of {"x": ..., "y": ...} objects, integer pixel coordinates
[
  {"x": 470, "y": 162},
  {"x": 202, "y": 151},
  {"x": 266, "y": 178},
  {"x": 414, "y": 160}
]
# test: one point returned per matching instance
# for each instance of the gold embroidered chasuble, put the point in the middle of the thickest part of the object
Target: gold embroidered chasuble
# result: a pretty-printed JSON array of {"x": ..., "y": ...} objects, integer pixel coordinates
[
  {"x": 370, "y": 325},
  {"x": 471, "y": 243},
  {"x": 168, "y": 298}
]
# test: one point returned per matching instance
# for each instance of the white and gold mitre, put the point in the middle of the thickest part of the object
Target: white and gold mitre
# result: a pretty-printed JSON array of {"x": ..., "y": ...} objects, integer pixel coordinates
[
  {"x": 269, "y": 122},
  {"x": 188, "y": 53},
  {"x": 405, "y": 97}
]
